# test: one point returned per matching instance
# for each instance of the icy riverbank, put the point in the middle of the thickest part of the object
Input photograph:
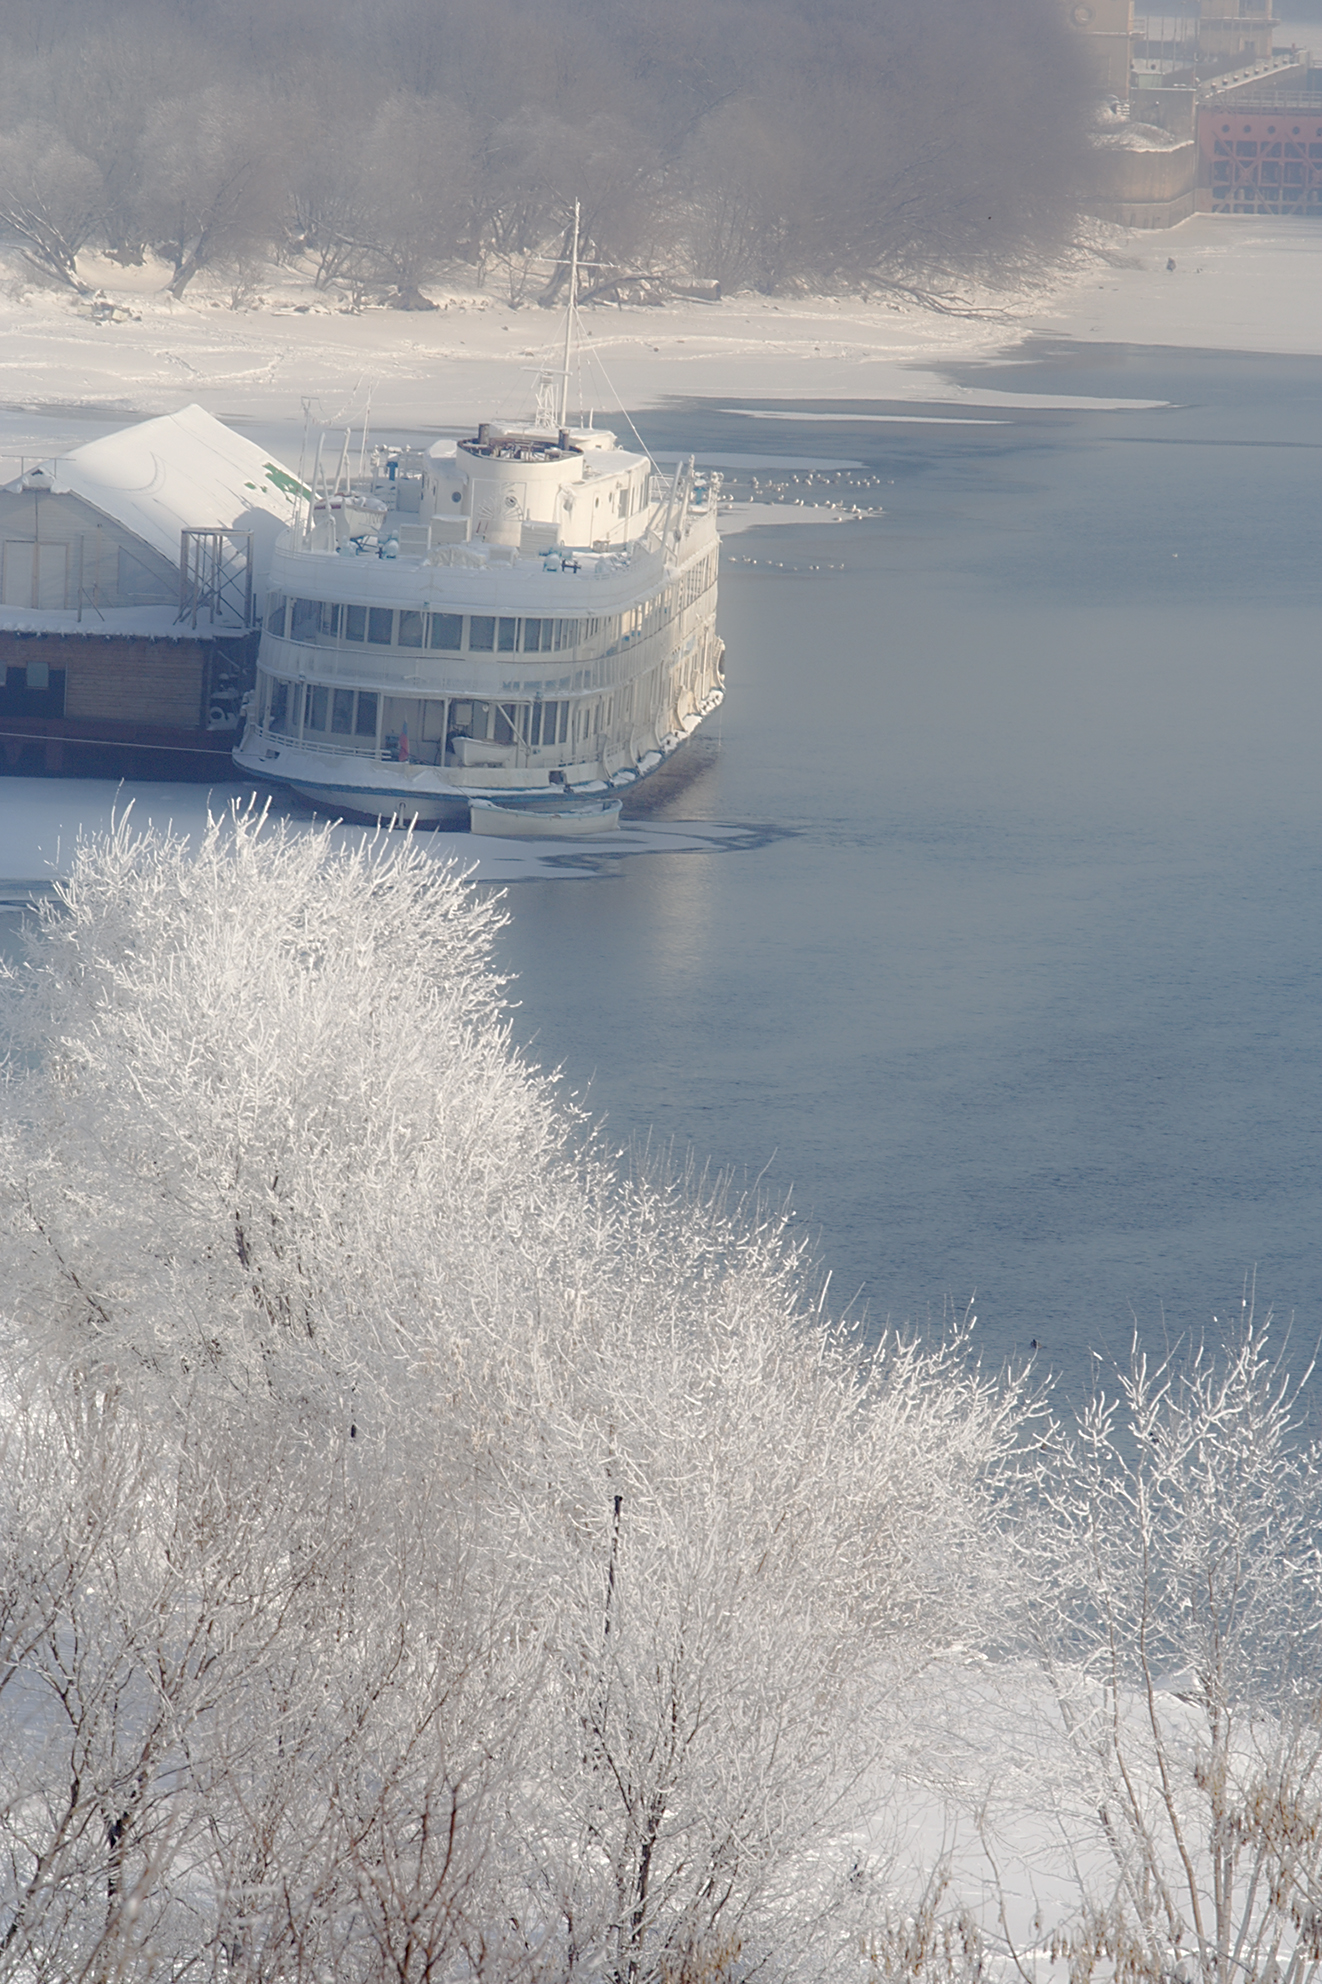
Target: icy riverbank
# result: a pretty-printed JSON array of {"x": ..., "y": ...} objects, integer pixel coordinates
[{"x": 1237, "y": 285}]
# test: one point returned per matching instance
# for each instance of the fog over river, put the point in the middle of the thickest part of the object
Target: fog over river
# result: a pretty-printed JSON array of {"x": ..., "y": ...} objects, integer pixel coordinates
[{"x": 1014, "y": 979}]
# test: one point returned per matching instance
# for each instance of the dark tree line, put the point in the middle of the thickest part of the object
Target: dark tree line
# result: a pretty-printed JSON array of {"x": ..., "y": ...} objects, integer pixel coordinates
[{"x": 760, "y": 143}]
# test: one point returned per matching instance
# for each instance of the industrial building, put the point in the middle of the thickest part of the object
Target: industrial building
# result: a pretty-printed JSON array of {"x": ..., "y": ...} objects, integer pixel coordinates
[{"x": 1199, "y": 113}]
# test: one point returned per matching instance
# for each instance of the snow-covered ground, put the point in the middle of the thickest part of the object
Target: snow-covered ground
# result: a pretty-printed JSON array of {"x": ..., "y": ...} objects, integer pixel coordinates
[{"x": 1239, "y": 285}]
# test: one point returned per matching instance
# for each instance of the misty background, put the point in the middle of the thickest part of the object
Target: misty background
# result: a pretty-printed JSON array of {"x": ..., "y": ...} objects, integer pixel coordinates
[{"x": 768, "y": 144}]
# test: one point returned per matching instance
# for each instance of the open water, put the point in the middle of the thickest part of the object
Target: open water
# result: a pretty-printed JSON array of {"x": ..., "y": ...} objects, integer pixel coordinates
[
  {"x": 1020, "y": 993},
  {"x": 1014, "y": 978}
]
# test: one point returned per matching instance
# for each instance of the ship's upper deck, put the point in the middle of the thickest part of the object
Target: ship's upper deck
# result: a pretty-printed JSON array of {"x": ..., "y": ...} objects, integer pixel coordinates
[{"x": 510, "y": 520}]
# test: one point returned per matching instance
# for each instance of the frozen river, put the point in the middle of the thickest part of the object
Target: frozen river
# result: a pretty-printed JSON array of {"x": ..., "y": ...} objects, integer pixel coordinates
[{"x": 1012, "y": 972}]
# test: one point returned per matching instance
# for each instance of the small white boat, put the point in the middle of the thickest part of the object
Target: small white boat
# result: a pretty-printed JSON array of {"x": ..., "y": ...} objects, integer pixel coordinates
[{"x": 489, "y": 816}]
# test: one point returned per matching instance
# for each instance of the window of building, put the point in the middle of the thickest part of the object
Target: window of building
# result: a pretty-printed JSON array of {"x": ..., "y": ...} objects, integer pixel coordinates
[{"x": 32, "y": 688}]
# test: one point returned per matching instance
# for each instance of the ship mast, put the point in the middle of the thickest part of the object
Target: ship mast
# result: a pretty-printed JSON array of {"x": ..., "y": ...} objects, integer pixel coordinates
[{"x": 569, "y": 323}]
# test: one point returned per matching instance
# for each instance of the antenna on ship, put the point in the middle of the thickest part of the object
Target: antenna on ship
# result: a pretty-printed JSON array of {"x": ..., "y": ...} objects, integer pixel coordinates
[{"x": 569, "y": 323}]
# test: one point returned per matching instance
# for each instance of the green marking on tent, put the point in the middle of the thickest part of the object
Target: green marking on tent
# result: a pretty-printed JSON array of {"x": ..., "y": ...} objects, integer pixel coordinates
[{"x": 288, "y": 485}]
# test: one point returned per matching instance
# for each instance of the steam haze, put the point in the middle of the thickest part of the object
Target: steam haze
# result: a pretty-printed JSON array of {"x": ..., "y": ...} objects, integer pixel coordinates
[{"x": 770, "y": 144}]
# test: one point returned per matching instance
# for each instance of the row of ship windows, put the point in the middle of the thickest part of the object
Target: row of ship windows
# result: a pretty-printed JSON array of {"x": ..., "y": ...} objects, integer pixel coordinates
[
  {"x": 475, "y": 633},
  {"x": 291, "y": 707},
  {"x": 451, "y": 633}
]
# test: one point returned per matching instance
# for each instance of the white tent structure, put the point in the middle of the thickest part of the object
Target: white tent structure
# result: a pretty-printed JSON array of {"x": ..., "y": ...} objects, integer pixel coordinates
[
  {"x": 99, "y": 530},
  {"x": 130, "y": 574}
]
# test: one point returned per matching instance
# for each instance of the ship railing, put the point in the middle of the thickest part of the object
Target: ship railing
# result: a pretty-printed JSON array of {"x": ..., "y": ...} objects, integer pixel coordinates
[
  {"x": 354, "y": 747},
  {"x": 356, "y": 665}
]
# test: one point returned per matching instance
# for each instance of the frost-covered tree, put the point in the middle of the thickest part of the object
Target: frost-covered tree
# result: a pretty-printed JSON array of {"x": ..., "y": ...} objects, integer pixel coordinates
[
  {"x": 1177, "y": 1606},
  {"x": 781, "y": 142},
  {"x": 52, "y": 200},
  {"x": 471, "y": 1556},
  {"x": 212, "y": 174}
]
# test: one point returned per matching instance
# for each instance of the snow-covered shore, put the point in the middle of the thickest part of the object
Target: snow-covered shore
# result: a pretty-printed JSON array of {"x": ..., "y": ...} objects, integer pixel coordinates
[{"x": 1237, "y": 285}]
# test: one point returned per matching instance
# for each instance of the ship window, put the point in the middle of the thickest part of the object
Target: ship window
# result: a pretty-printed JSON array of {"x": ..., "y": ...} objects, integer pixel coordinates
[
  {"x": 461, "y": 719},
  {"x": 433, "y": 719},
  {"x": 380, "y": 627},
  {"x": 532, "y": 636},
  {"x": 355, "y": 623},
  {"x": 318, "y": 704},
  {"x": 511, "y": 726},
  {"x": 410, "y": 628},
  {"x": 342, "y": 710},
  {"x": 275, "y": 613},
  {"x": 366, "y": 723},
  {"x": 400, "y": 719},
  {"x": 507, "y": 635},
  {"x": 330, "y": 618},
  {"x": 446, "y": 630},
  {"x": 482, "y": 632},
  {"x": 304, "y": 619},
  {"x": 279, "y": 703},
  {"x": 479, "y": 723},
  {"x": 566, "y": 633},
  {"x": 295, "y": 706}
]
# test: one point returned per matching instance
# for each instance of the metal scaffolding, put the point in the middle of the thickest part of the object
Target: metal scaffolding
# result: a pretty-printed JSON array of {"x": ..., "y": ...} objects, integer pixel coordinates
[{"x": 215, "y": 578}]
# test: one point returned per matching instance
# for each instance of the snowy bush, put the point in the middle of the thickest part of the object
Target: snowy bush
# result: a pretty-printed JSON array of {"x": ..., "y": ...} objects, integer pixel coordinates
[{"x": 1173, "y": 1565}]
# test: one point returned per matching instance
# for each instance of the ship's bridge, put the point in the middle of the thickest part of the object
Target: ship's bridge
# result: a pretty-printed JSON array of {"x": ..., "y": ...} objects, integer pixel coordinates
[{"x": 578, "y": 484}]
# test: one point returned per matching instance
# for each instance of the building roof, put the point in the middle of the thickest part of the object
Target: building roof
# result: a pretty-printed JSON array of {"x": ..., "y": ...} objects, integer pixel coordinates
[
  {"x": 182, "y": 471},
  {"x": 148, "y": 623}
]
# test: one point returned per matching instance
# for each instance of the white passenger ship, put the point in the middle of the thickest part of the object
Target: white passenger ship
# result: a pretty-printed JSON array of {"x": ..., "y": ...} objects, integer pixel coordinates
[{"x": 509, "y": 630}]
